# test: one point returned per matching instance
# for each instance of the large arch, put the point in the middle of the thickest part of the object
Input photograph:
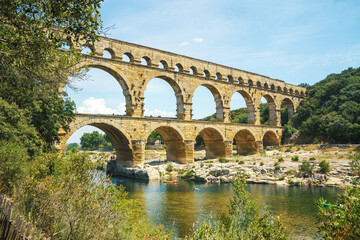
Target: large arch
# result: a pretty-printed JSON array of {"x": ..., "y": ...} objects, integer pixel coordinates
[
  {"x": 249, "y": 105},
  {"x": 119, "y": 138},
  {"x": 180, "y": 112},
  {"x": 218, "y": 101},
  {"x": 214, "y": 143},
  {"x": 175, "y": 145},
  {"x": 290, "y": 110},
  {"x": 272, "y": 109},
  {"x": 245, "y": 142},
  {"x": 270, "y": 139}
]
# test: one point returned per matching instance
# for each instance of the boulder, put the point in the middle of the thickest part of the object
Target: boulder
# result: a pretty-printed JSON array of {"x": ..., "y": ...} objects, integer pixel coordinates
[{"x": 140, "y": 171}]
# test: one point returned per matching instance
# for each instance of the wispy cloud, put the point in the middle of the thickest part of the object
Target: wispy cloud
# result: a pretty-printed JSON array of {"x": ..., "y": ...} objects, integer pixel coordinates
[
  {"x": 98, "y": 105},
  {"x": 183, "y": 44},
  {"x": 198, "y": 40}
]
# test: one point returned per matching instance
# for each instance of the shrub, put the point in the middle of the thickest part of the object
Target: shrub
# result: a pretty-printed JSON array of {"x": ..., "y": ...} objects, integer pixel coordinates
[
  {"x": 295, "y": 158},
  {"x": 355, "y": 163},
  {"x": 281, "y": 159},
  {"x": 201, "y": 165},
  {"x": 189, "y": 174},
  {"x": 276, "y": 164},
  {"x": 306, "y": 168},
  {"x": 281, "y": 178},
  {"x": 245, "y": 219},
  {"x": 289, "y": 148},
  {"x": 277, "y": 168},
  {"x": 324, "y": 166},
  {"x": 312, "y": 158},
  {"x": 241, "y": 162},
  {"x": 181, "y": 171},
  {"x": 261, "y": 164},
  {"x": 169, "y": 167},
  {"x": 223, "y": 160}
]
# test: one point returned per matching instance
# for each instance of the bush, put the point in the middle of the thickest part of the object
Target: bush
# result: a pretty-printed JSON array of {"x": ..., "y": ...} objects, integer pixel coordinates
[
  {"x": 241, "y": 162},
  {"x": 245, "y": 219},
  {"x": 261, "y": 164},
  {"x": 277, "y": 168},
  {"x": 201, "y": 165},
  {"x": 289, "y": 148},
  {"x": 312, "y": 158},
  {"x": 281, "y": 178},
  {"x": 306, "y": 168},
  {"x": 324, "y": 167},
  {"x": 295, "y": 158},
  {"x": 181, "y": 171},
  {"x": 281, "y": 159},
  {"x": 355, "y": 163},
  {"x": 276, "y": 164},
  {"x": 223, "y": 160},
  {"x": 169, "y": 167}
]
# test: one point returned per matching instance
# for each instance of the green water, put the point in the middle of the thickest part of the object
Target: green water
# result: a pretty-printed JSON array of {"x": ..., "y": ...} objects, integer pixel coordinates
[{"x": 179, "y": 206}]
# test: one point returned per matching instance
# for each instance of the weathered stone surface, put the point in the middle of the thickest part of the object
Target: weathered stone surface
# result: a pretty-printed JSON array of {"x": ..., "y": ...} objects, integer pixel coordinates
[{"x": 140, "y": 171}]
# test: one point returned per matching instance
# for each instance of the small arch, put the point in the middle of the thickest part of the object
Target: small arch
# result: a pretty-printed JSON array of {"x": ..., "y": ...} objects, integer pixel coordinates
[
  {"x": 272, "y": 87},
  {"x": 127, "y": 57},
  {"x": 279, "y": 89},
  {"x": 179, "y": 68},
  {"x": 286, "y": 90},
  {"x": 218, "y": 76},
  {"x": 230, "y": 78},
  {"x": 175, "y": 145},
  {"x": 291, "y": 91},
  {"x": 302, "y": 94},
  {"x": 163, "y": 64},
  {"x": 297, "y": 93},
  {"x": 266, "y": 86},
  {"x": 108, "y": 53},
  {"x": 214, "y": 143},
  {"x": 146, "y": 61},
  {"x": 241, "y": 81},
  {"x": 258, "y": 84},
  {"x": 206, "y": 74},
  {"x": 87, "y": 50},
  {"x": 270, "y": 139},
  {"x": 250, "y": 83},
  {"x": 245, "y": 142},
  {"x": 193, "y": 70}
]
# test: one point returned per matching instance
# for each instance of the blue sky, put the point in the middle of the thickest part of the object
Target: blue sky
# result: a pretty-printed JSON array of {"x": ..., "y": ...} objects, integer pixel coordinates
[{"x": 295, "y": 41}]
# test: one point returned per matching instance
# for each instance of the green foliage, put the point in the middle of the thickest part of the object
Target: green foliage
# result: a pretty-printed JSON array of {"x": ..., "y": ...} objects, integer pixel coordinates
[
  {"x": 312, "y": 158},
  {"x": 154, "y": 136},
  {"x": 295, "y": 158},
  {"x": 332, "y": 108},
  {"x": 95, "y": 141},
  {"x": 281, "y": 178},
  {"x": 169, "y": 167},
  {"x": 71, "y": 146},
  {"x": 289, "y": 148},
  {"x": 241, "y": 162},
  {"x": 199, "y": 141},
  {"x": 281, "y": 159},
  {"x": 223, "y": 160},
  {"x": 245, "y": 220},
  {"x": 340, "y": 221},
  {"x": 324, "y": 166},
  {"x": 288, "y": 131},
  {"x": 261, "y": 164},
  {"x": 355, "y": 164},
  {"x": 306, "y": 168}
]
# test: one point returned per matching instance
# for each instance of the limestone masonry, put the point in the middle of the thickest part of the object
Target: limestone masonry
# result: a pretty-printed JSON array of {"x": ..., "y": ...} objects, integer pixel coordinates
[{"x": 184, "y": 74}]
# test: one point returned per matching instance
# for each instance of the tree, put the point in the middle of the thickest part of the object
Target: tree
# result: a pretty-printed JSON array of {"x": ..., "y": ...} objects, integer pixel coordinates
[
  {"x": 33, "y": 68},
  {"x": 154, "y": 136},
  {"x": 71, "y": 146}
]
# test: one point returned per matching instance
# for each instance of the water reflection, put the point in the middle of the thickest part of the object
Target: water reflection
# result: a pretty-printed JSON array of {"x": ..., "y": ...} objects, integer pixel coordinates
[{"x": 178, "y": 206}]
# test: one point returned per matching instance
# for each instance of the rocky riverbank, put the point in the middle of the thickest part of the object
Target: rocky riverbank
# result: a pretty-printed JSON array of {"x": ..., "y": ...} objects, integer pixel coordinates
[{"x": 280, "y": 165}]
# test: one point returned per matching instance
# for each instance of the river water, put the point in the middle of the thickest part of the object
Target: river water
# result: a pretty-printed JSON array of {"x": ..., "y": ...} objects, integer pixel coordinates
[{"x": 179, "y": 206}]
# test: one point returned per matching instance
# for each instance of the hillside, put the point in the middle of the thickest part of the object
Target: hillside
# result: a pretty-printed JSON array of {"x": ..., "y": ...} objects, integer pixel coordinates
[{"x": 331, "y": 111}]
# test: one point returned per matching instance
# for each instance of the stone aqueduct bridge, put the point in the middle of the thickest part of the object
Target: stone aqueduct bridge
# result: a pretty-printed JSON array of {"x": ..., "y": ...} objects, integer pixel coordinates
[{"x": 184, "y": 74}]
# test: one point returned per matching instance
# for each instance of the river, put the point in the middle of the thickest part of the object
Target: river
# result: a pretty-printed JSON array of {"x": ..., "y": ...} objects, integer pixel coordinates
[{"x": 179, "y": 206}]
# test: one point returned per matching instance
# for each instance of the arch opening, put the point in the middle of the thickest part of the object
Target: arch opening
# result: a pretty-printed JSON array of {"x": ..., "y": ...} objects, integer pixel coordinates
[
  {"x": 230, "y": 79},
  {"x": 174, "y": 143},
  {"x": 127, "y": 57},
  {"x": 218, "y": 76},
  {"x": 102, "y": 136},
  {"x": 146, "y": 61},
  {"x": 270, "y": 139},
  {"x": 242, "y": 108},
  {"x": 163, "y": 64},
  {"x": 258, "y": 84},
  {"x": 213, "y": 142},
  {"x": 193, "y": 70},
  {"x": 108, "y": 53},
  {"x": 267, "y": 110},
  {"x": 241, "y": 81},
  {"x": 245, "y": 142},
  {"x": 250, "y": 83},
  {"x": 86, "y": 50},
  {"x": 158, "y": 89},
  {"x": 206, "y": 74},
  {"x": 179, "y": 68},
  {"x": 287, "y": 111},
  {"x": 201, "y": 97}
]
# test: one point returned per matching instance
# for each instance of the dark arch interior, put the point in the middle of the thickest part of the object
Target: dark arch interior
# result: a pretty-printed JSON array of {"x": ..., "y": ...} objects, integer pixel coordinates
[
  {"x": 268, "y": 111},
  {"x": 270, "y": 139},
  {"x": 287, "y": 111},
  {"x": 214, "y": 143},
  {"x": 245, "y": 142}
]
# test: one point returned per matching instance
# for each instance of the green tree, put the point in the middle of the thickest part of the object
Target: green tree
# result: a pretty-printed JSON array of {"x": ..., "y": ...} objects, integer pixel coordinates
[
  {"x": 71, "y": 146},
  {"x": 154, "y": 136},
  {"x": 32, "y": 67},
  {"x": 91, "y": 141}
]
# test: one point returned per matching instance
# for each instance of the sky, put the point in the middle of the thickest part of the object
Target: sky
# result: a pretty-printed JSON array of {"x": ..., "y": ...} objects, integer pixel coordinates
[{"x": 298, "y": 41}]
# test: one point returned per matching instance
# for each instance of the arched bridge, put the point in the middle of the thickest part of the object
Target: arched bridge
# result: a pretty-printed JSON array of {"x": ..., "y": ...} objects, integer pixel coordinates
[{"x": 184, "y": 74}]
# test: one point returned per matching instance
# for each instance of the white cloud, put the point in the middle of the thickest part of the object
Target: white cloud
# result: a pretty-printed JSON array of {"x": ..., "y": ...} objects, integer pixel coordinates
[
  {"x": 198, "y": 40},
  {"x": 156, "y": 113},
  {"x": 98, "y": 105},
  {"x": 183, "y": 44}
]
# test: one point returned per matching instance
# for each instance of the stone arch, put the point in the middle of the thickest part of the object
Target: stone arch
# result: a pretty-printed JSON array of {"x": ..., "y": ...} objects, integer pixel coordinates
[
  {"x": 241, "y": 80},
  {"x": 206, "y": 74},
  {"x": 129, "y": 55},
  {"x": 147, "y": 60},
  {"x": 89, "y": 47},
  {"x": 272, "y": 87},
  {"x": 290, "y": 107},
  {"x": 163, "y": 64},
  {"x": 250, "y": 83},
  {"x": 291, "y": 91},
  {"x": 249, "y": 105},
  {"x": 286, "y": 90},
  {"x": 120, "y": 139},
  {"x": 270, "y": 139},
  {"x": 245, "y": 142},
  {"x": 266, "y": 86},
  {"x": 302, "y": 94},
  {"x": 179, "y": 67},
  {"x": 218, "y": 76},
  {"x": 278, "y": 89},
  {"x": 194, "y": 70},
  {"x": 272, "y": 109},
  {"x": 123, "y": 83},
  {"x": 230, "y": 79},
  {"x": 178, "y": 94},
  {"x": 297, "y": 93},
  {"x": 110, "y": 51},
  {"x": 175, "y": 145},
  {"x": 217, "y": 98},
  {"x": 258, "y": 84},
  {"x": 214, "y": 142}
]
